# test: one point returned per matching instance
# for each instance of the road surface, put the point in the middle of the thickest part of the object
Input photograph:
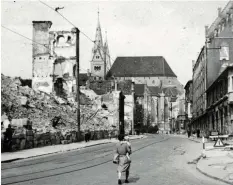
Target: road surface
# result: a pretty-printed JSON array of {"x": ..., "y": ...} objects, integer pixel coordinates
[{"x": 158, "y": 159}]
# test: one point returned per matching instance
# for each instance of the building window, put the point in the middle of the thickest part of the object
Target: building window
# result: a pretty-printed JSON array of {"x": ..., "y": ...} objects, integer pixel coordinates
[
  {"x": 224, "y": 52},
  {"x": 97, "y": 57},
  {"x": 97, "y": 68},
  {"x": 153, "y": 82}
]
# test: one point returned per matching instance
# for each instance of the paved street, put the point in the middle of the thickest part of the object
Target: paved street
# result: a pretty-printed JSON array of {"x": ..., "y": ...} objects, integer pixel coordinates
[{"x": 157, "y": 159}]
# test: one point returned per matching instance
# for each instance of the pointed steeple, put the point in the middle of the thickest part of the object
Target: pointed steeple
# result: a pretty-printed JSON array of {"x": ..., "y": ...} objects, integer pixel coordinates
[
  {"x": 106, "y": 49},
  {"x": 98, "y": 46}
]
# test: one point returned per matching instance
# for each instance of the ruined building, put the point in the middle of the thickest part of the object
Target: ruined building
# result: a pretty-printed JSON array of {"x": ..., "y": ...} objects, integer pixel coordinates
[{"x": 54, "y": 59}]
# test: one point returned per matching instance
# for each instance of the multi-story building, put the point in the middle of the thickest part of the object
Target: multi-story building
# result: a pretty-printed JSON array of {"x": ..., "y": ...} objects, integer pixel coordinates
[
  {"x": 220, "y": 103},
  {"x": 188, "y": 103},
  {"x": 214, "y": 57},
  {"x": 219, "y": 43},
  {"x": 219, "y": 51},
  {"x": 199, "y": 95}
]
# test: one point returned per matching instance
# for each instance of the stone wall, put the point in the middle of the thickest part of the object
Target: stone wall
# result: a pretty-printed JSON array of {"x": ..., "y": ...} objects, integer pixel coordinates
[{"x": 27, "y": 139}]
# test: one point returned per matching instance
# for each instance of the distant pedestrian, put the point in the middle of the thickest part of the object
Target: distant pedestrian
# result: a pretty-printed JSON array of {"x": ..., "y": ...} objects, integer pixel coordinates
[
  {"x": 8, "y": 138},
  {"x": 122, "y": 148},
  {"x": 86, "y": 136},
  {"x": 189, "y": 133},
  {"x": 198, "y": 133},
  {"x": 110, "y": 135}
]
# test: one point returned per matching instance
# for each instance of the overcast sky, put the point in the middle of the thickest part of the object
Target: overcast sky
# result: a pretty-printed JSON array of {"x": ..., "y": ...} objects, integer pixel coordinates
[{"x": 173, "y": 29}]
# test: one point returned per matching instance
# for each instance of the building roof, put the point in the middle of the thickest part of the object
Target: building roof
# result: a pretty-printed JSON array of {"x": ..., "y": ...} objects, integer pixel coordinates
[
  {"x": 104, "y": 87},
  {"x": 223, "y": 14},
  {"x": 143, "y": 66}
]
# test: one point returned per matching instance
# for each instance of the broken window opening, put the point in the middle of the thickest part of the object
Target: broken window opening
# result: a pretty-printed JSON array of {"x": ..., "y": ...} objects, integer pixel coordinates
[
  {"x": 69, "y": 39},
  {"x": 104, "y": 106},
  {"x": 58, "y": 87},
  {"x": 60, "y": 39}
]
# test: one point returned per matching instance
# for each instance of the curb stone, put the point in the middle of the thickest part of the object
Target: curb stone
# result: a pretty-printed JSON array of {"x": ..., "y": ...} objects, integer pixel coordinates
[
  {"x": 17, "y": 159},
  {"x": 213, "y": 177}
]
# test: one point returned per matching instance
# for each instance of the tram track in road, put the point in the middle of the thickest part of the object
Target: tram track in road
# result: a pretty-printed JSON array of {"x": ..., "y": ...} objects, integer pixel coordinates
[
  {"x": 75, "y": 152},
  {"x": 21, "y": 177},
  {"x": 105, "y": 150},
  {"x": 15, "y": 165}
]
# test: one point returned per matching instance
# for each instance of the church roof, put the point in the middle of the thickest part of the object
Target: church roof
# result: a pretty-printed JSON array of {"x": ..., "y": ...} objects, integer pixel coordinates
[{"x": 143, "y": 66}]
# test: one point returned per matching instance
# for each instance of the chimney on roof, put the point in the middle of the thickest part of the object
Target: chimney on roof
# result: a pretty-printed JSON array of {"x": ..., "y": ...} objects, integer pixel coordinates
[{"x": 219, "y": 12}]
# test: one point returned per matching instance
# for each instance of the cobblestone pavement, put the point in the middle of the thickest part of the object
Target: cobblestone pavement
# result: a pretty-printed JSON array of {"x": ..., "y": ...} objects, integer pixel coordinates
[{"x": 157, "y": 159}]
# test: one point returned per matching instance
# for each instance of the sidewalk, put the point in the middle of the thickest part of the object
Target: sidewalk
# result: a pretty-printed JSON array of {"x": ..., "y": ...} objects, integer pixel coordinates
[
  {"x": 35, "y": 152},
  {"x": 217, "y": 164}
]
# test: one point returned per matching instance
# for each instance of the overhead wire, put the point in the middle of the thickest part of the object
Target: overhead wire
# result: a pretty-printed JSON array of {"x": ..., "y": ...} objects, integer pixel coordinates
[
  {"x": 80, "y": 32},
  {"x": 24, "y": 36},
  {"x": 75, "y": 27}
]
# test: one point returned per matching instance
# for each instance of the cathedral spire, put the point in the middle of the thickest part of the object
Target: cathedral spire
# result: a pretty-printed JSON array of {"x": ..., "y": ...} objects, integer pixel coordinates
[
  {"x": 107, "y": 54},
  {"x": 98, "y": 22},
  {"x": 98, "y": 38},
  {"x": 106, "y": 40}
]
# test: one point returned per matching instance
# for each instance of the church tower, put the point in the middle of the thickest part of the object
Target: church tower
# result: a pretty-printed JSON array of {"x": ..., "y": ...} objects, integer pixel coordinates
[
  {"x": 107, "y": 56},
  {"x": 98, "y": 67}
]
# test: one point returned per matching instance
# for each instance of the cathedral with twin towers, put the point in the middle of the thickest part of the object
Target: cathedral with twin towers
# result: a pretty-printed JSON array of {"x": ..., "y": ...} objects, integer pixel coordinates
[{"x": 100, "y": 57}]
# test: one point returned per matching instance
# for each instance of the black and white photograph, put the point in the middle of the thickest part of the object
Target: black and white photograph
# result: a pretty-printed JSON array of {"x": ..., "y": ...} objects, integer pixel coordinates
[{"x": 116, "y": 92}]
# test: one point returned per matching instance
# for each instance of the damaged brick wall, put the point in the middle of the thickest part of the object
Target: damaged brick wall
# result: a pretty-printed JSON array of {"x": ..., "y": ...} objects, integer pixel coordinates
[
  {"x": 63, "y": 44},
  {"x": 42, "y": 67},
  {"x": 54, "y": 63}
]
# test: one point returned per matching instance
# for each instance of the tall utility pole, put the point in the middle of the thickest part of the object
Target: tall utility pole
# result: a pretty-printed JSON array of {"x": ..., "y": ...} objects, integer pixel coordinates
[
  {"x": 133, "y": 111},
  {"x": 77, "y": 81}
]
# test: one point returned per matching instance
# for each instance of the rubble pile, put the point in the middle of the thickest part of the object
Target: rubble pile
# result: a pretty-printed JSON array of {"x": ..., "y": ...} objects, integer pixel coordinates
[
  {"x": 53, "y": 119},
  {"x": 23, "y": 102}
]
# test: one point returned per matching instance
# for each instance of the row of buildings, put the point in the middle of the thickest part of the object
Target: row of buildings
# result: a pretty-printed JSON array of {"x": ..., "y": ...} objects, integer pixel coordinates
[
  {"x": 209, "y": 95},
  {"x": 153, "y": 95}
]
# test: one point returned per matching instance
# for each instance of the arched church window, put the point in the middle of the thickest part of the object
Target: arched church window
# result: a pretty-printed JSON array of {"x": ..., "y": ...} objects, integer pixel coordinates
[
  {"x": 153, "y": 82},
  {"x": 224, "y": 51}
]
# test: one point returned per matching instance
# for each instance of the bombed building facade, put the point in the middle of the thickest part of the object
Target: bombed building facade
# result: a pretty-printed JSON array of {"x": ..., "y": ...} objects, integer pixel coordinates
[{"x": 54, "y": 59}]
